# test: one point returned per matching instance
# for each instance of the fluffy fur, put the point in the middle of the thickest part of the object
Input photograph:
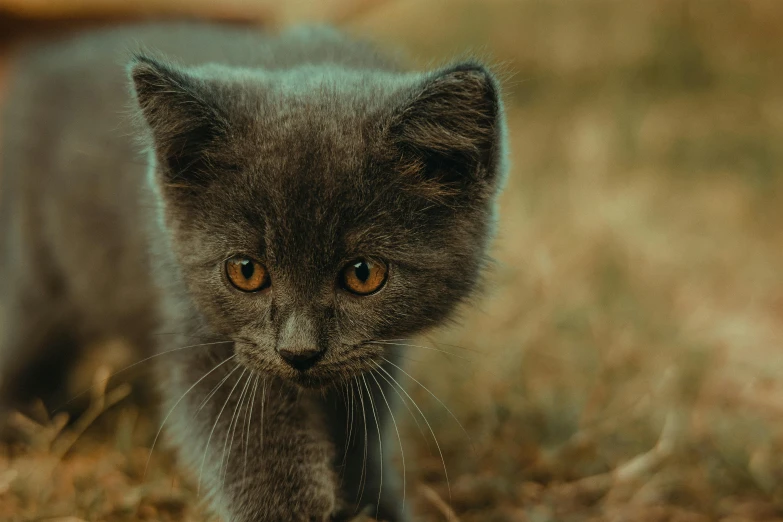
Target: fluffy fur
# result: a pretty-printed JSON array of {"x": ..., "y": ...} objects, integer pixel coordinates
[{"x": 305, "y": 151}]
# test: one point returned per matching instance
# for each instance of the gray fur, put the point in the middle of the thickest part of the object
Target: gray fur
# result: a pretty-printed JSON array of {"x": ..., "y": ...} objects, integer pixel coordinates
[{"x": 306, "y": 151}]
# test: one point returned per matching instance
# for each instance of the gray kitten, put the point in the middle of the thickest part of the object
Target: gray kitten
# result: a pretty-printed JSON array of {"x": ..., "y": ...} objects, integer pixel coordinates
[{"x": 299, "y": 206}]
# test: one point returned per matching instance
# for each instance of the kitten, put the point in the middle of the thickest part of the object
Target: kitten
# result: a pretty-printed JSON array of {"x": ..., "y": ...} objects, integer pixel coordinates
[{"x": 300, "y": 203}]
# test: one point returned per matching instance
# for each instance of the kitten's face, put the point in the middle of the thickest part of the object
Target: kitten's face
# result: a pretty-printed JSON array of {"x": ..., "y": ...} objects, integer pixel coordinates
[{"x": 321, "y": 218}]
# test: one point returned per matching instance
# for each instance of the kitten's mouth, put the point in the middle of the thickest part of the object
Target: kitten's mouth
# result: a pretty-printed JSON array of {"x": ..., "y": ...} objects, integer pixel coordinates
[
  {"x": 318, "y": 372},
  {"x": 321, "y": 376}
]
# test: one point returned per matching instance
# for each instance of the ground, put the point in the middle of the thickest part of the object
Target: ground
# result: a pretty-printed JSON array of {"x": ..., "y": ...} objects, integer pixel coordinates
[{"x": 625, "y": 362}]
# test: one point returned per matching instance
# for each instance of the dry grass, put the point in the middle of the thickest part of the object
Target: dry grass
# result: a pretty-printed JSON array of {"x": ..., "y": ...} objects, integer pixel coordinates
[{"x": 624, "y": 365}]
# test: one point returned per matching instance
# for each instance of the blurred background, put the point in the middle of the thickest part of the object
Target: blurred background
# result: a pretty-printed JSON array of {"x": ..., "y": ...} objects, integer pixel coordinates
[{"x": 626, "y": 362}]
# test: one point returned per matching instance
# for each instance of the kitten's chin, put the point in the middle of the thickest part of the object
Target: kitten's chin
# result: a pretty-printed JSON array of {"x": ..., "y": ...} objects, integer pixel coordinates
[
  {"x": 319, "y": 377},
  {"x": 310, "y": 382}
]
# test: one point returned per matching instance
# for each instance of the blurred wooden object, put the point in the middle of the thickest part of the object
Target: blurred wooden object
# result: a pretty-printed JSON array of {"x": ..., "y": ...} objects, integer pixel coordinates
[
  {"x": 268, "y": 11},
  {"x": 29, "y": 19}
]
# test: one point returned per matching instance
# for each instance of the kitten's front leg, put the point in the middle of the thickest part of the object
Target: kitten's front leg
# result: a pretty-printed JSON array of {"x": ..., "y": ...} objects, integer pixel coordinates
[{"x": 258, "y": 446}]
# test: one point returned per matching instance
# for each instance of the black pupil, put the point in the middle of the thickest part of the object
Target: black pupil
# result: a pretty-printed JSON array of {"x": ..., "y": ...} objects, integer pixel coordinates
[
  {"x": 362, "y": 271},
  {"x": 248, "y": 268}
]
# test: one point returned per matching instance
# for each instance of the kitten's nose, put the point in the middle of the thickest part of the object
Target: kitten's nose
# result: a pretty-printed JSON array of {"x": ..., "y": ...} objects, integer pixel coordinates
[{"x": 301, "y": 359}]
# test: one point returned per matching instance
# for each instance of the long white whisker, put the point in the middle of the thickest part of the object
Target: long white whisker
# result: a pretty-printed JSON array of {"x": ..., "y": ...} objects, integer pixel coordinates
[
  {"x": 348, "y": 426},
  {"x": 394, "y": 421},
  {"x": 413, "y": 415},
  {"x": 353, "y": 414},
  {"x": 343, "y": 394},
  {"x": 249, "y": 420},
  {"x": 407, "y": 345},
  {"x": 432, "y": 432},
  {"x": 440, "y": 343},
  {"x": 157, "y": 435},
  {"x": 136, "y": 364},
  {"x": 433, "y": 341},
  {"x": 364, "y": 461},
  {"x": 230, "y": 424},
  {"x": 263, "y": 405},
  {"x": 350, "y": 415},
  {"x": 380, "y": 442},
  {"x": 212, "y": 393},
  {"x": 411, "y": 377},
  {"x": 209, "y": 439},
  {"x": 235, "y": 419}
]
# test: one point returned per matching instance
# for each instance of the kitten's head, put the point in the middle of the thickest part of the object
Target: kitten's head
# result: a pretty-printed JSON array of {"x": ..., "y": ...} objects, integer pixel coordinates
[{"x": 318, "y": 213}]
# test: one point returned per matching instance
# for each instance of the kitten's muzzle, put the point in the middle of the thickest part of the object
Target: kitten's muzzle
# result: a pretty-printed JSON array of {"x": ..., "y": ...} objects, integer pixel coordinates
[{"x": 301, "y": 359}]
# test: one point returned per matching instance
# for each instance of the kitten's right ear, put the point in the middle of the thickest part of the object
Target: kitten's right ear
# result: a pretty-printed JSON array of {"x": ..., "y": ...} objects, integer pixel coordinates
[
  {"x": 449, "y": 128},
  {"x": 182, "y": 115}
]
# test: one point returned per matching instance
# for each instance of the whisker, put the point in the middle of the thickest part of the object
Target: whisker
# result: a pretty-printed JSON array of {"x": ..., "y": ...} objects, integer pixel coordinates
[
  {"x": 212, "y": 394},
  {"x": 233, "y": 432},
  {"x": 380, "y": 442},
  {"x": 362, "y": 479},
  {"x": 209, "y": 439},
  {"x": 411, "y": 377},
  {"x": 157, "y": 435},
  {"x": 351, "y": 433},
  {"x": 473, "y": 350},
  {"x": 249, "y": 420},
  {"x": 344, "y": 391},
  {"x": 394, "y": 421},
  {"x": 409, "y": 358},
  {"x": 187, "y": 335},
  {"x": 228, "y": 432},
  {"x": 413, "y": 415},
  {"x": 432, "y": 432},
  {"x": 100, "y": 383},
  {"x": 445, "y": 352},
  {"x": 263, "y": 405}
]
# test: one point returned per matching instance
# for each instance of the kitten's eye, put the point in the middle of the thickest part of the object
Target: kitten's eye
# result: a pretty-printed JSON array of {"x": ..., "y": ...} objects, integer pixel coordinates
[
  {"x": 364, "y": 277},
  {"x": 247, "y": 274}
]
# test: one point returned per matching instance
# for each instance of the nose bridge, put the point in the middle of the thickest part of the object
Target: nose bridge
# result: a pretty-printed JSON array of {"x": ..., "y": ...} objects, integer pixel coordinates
[{"x": 298, "y": 333}]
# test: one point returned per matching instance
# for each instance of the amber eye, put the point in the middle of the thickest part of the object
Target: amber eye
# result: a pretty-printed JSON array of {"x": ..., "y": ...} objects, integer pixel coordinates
[
  {"x": 247, "y": 274},
  {"x": 363, "y": 276}
]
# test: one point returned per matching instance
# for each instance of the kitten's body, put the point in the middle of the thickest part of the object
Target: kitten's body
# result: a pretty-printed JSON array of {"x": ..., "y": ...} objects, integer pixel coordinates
[{"x": 299, "y": 120}]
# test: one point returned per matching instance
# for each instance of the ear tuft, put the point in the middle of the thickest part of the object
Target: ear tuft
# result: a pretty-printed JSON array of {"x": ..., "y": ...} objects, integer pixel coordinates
[
  {"x": 149, "y": 75},
  {"x": 182, "y": 113},
  {"x": 158, "y": 87},
  {"x": 450, "y": 127}
]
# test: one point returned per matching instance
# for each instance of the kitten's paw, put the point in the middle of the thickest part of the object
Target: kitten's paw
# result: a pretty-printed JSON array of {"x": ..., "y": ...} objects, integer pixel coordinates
[
  {"x": 290, "y": 507},
  {"x": 313, "y": 506}
]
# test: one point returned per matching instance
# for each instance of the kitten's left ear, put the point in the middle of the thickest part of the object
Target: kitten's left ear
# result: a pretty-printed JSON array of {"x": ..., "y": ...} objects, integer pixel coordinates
[{"x": 451, "y": 128}]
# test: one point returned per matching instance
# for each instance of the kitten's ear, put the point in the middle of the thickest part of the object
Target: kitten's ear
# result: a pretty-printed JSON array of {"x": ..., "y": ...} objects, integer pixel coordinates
[
  {"x": 183, "y": 114},
  {"x": 450, "y": 129}
]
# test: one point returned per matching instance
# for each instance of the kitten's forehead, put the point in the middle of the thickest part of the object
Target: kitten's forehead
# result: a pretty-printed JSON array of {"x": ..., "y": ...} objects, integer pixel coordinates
[
  {"x": 316, "y": 141},
  {"x": 306, "y": 186},
  {"x": 329, "y": 106},
  {"x": 316, "y": 196}
]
